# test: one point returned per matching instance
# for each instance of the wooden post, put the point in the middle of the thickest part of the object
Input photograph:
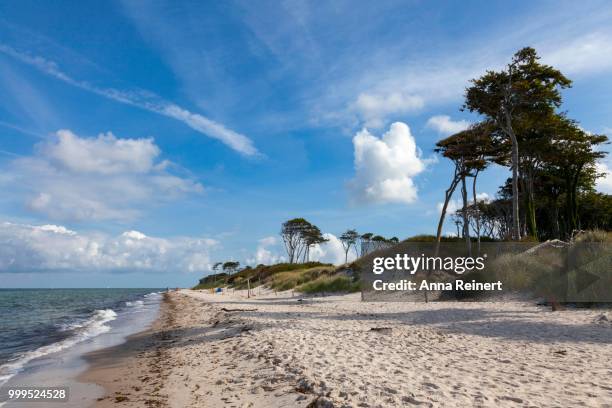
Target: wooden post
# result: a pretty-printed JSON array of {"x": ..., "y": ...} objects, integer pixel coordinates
[{"x": 248, "y": 288}]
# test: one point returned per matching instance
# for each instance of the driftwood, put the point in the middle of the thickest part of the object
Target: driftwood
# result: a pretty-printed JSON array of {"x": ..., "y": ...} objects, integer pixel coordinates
[
  {"x": 237, "y": 310},
  {"x": 553, "y": 243},
  {"x": 385, "y": 330}
]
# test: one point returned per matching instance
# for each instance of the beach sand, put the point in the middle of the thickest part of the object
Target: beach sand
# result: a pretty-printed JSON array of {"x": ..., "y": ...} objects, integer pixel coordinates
[{"x": 280, "y": 350}]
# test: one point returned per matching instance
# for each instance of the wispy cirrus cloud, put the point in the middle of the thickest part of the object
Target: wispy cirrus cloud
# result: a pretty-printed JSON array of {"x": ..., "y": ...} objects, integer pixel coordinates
[
  {"x": 142, "y": 99},
  {"x": 444, "y": 125},
  {"x": 373, "y": 108}
]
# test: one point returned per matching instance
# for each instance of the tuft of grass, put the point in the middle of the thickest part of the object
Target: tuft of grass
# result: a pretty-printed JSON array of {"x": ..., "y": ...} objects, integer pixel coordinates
[
  {"x": 335, "y": 283},
  {"x": 593, "y": 236},
  {"x": 446, "y": 238},
  {"x": 521, "y": 272}
]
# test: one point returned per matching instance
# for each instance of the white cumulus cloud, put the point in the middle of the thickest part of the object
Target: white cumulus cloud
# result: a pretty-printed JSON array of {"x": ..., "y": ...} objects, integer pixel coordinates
[
  {"x": 331, "y": 251},
  {"x": 385, "y": 167},
  {"x": 456, "y": 204},
  {"x": 30, "y": 248},
  {"x": 451, "y": 208},
  {"x": 270, "y": 251},
  {"x": 104, "y": 154},
  {"x": 444, "y": 125},
  {"x": 604, "y": 183},
  {"x": 99, "y": 178},
  {"x": 266, "y": 255}
]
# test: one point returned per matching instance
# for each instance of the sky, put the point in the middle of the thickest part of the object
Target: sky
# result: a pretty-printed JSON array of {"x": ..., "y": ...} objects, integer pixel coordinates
[{"x": 143, "y": 141}]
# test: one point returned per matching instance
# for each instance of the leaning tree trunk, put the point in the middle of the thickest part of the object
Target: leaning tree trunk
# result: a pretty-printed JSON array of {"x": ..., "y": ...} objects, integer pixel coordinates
[
  {"x": 448, "y": 194},
  {"x": 464, "y": 213}
]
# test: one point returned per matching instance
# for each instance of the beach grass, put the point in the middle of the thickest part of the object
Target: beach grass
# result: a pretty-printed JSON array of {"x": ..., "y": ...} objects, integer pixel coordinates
[
  {"x": 330, "y": 284},
  {"x": 291, "y": 279}
]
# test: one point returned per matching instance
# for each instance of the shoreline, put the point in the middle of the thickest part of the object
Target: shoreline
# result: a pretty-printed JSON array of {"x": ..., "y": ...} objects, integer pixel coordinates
[
  {"x": 111, "y": 368},
  {"x": 61, "y": 363},
  {"x": 284, "y": 350},
  {"x": 154, "y": 368}
]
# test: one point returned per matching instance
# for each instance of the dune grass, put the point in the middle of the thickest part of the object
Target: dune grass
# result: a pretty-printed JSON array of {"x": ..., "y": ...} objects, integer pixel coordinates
[
  {"x": 290, "y": 279},
  {"x": 594, "y": 236},
  {"x": 330, "y": 284}
]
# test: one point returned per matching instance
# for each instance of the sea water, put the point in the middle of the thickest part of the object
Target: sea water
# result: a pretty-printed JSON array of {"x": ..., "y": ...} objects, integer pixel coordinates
[{"x": 45, "y": 332}]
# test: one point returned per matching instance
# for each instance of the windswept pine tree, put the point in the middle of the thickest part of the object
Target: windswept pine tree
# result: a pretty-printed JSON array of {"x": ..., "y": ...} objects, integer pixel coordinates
[
  {"x": 524, "y": 90},
  {"x": 552, "y": 159},
  {"x": 349, "y": 239},
  {"x": 298, "y": 237},
  {"x": 470, "y": 151}
]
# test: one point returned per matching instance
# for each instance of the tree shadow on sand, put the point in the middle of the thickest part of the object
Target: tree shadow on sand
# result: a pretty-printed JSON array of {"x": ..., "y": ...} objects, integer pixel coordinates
[{"x": 510, "y": 325}]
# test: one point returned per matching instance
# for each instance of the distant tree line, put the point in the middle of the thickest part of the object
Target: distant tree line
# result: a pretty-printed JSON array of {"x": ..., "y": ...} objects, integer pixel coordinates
[
  {"x": 299, "y": 236},
  {"x": 551, "y": 192}
]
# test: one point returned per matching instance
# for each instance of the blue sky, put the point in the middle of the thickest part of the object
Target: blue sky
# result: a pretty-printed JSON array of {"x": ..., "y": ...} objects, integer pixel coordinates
[{"x": 142, "y": 141}]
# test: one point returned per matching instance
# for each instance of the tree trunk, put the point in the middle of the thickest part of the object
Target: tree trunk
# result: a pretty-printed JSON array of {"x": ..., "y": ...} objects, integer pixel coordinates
[
  {"x": 476, "y": 211},
  {"x": 516, "y": 222},
  {"x": 464, "y": 213},
  {"x": 556, "y": 229},
  {"x": 571, "y": 204},
  {"x": 575, "y": 220},
  {"x": 530, "y": 205},
  {"x": 448, "y": 194}
]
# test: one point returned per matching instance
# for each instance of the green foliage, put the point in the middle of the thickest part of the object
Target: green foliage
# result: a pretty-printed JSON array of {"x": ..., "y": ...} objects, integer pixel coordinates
[
  {"x": 525, "y": 87},
  {"x": 432, "y": 238},
  {"x": 330, "y": 284},
  {"x": 260, "y": 275},
  {"x": 595, "y": 211},
  {"x": 263, "y": 272},
  {"x": 212, "y": 281},
  {"x": 298, "y": 237},
  {"x": 348, "y": 240},
  {"x": 230, "y": 267},
  {"x": 290, "y": 279},
  {"x": 553, "y": 160}
]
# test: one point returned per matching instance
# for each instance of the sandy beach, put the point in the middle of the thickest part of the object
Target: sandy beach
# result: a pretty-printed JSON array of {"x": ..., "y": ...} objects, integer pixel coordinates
[{"x": 280, "y": 350}]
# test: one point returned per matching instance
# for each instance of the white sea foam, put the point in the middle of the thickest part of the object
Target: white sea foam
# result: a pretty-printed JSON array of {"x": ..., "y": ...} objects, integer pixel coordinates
[
  {"x": 153, "y": 295},
  {"x": 92, "y": 327},
  {"x": 136, "y": 303}
]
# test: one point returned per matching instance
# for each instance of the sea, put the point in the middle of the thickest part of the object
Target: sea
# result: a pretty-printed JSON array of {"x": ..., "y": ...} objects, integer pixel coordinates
[{"x": 45, "y": 332}]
